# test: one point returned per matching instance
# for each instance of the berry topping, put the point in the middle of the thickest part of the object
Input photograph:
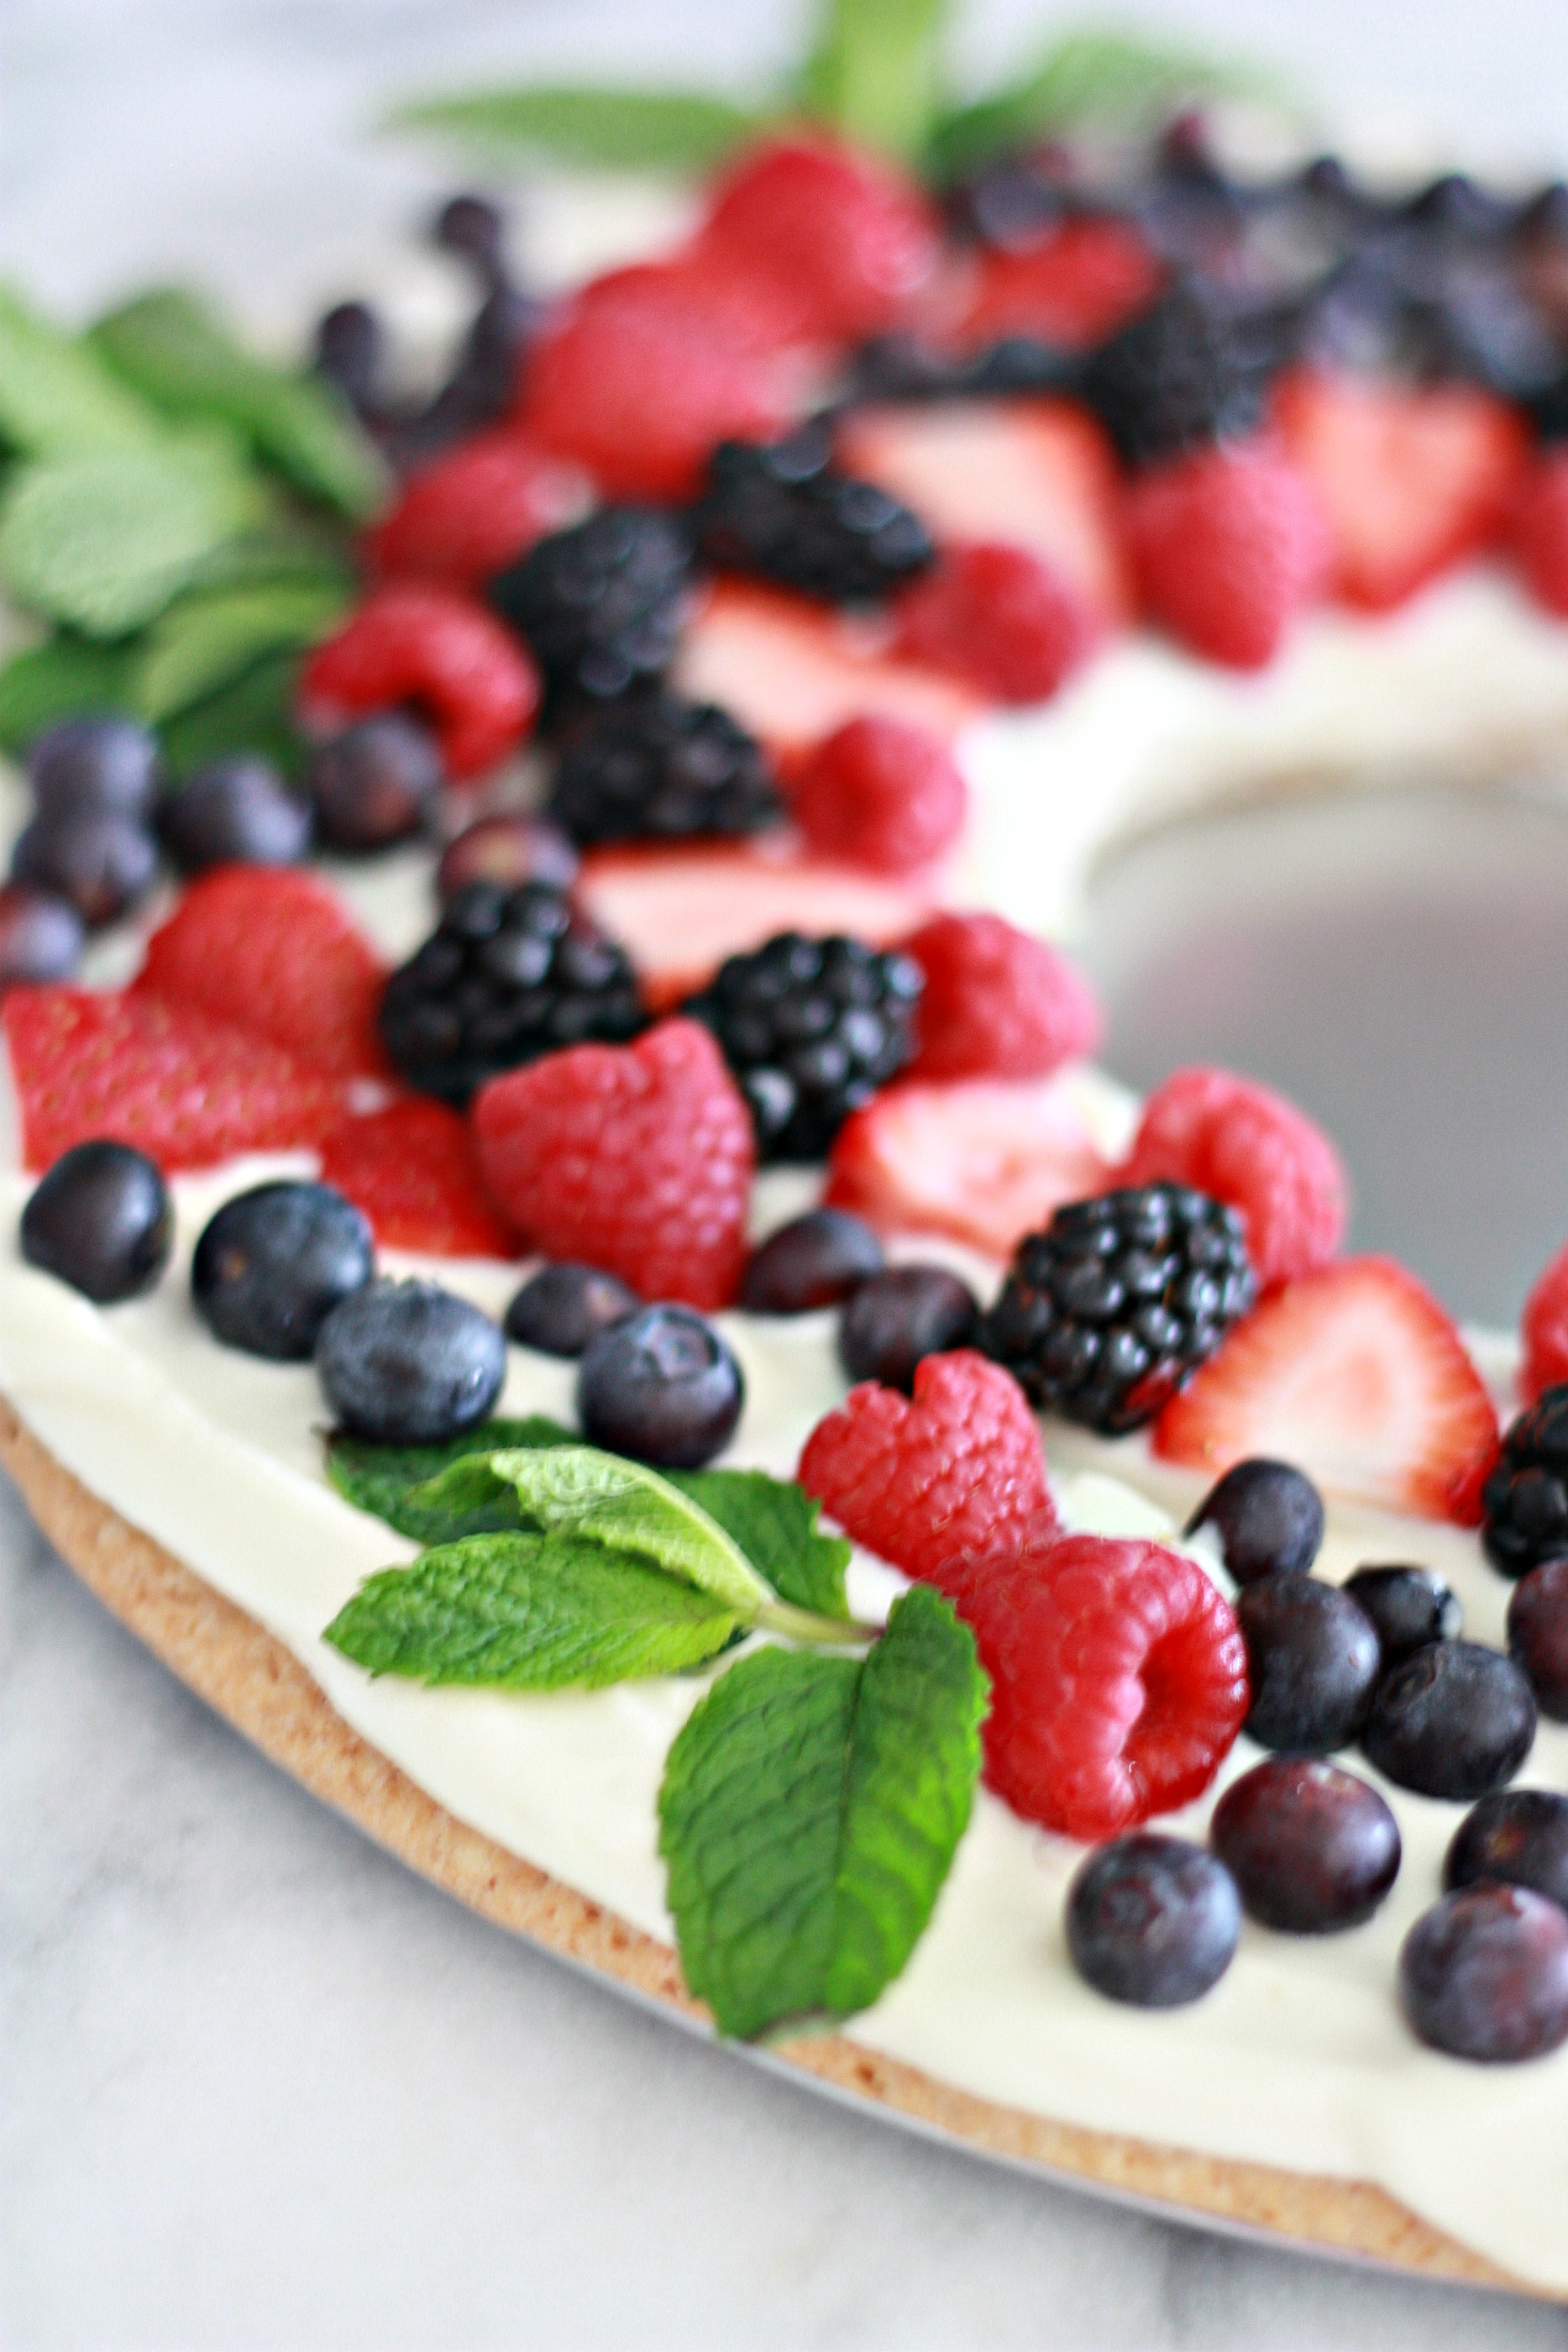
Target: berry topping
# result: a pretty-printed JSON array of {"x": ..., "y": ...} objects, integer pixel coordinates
[
  {"x": 998, "y": 618},
  {"x": 881, "y": 793},
  {"x": 782, "y": 511},
  {"x": 1543, "y": 1332},
  {"x": 102, "y": 1220},
  {"x": 507, "y": 850},
  {"x": 1356, "y": 1374},
  {"x": 100, "y": 863},
  {"x": 958, "y": 1469},
  {"x": 1408, "y": 1608},
  {"x": 109, "y": 765},
  {"x": 811, "y": 1028},
  {"x": 1311, "y": 1848},
  {"x": 842, "y": 236},
  {"x": 1541, "y": 531},
  {"x": 599, "y": 605},
  {"x": 375, "y": 784},
  {"x": 473, "y": 512},
  {"x": 416, "y": 642},
  {"x": 1268, "y": 1518},
  {"x": 1314, "y": 1662},
  {"x": 405, "y": 1363},
  {"x": 412, "y": 1169},
  {"x": 1524, "y": 1502},
  {"x": 1229, "y": 546},
  {"x": 1111, "y": 1308},
  {"x": 272, "y": 1263},
  {"x": 1484, "y": 1975},
  {"x": 562, "y": 1307},
  {"x": 1072, "y": 287},
  {"x": 661, "y": 1386},
  {"x": 1153, "y": 1921},
  {"x": 1172, "y": 379},
  {"x": 236, "y": 811},
  {"x": 998, "y": 1003},
  {"x": 637, "y": 1159},
  {"x": 1538, "y": 1635},
  {"x": 41, "y": 936},
  {"x": 1517, "y": 1835},
  {"x": 656, "y": 767},
  {"x": 901, "y": 1315},
  {"x": 814, "y": 1261},
  {"x": 1456, "y": 1720}
]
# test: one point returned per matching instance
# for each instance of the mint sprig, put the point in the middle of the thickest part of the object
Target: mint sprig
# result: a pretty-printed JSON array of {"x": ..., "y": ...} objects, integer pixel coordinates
[
  {"x": 60, "y": 678},
  {"x": 775, "y": 1524},
  {"x": 203, "y": 642},
  {"x": 57, "y": 396},
  {"x": 384, "y": 1479},
  {"x": 629, "y": 129}
]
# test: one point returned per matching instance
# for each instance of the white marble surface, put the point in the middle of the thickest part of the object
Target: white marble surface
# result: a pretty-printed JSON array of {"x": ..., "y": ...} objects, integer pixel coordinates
[{"x": 258, "y": 2087}]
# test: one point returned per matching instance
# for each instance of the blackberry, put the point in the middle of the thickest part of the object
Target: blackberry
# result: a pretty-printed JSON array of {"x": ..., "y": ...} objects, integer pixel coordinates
[
  {"x": 782, "y": 511},
  {"x": 601, "y": 604},
  {"x": 1107, "y": 1312},
  {"x": 508, "y": 975},
  {"x": 811, "y": 1028},
  {"x": 1172, "y": 379},
  {"x": 656, "y": 767},
  {"x": 1524, "y": 1503}
]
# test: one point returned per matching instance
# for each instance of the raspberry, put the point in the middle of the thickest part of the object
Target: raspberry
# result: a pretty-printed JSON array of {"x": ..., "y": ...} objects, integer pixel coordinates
[
  {"x": 881, "y": 793},
  {"x": 1544, "y": 1329},
  {"x": 997, "y": 617},
  {"x": 957, "y": 1470},
  {"x": 1541, "y": 531},
  {"x": 843, "y": 235},
  {"x": 412, "y": 1169},
  {"x": 472, "y": 512},
  {"x": 636, "y": 1159},
  {"x": 171, "y": 1082},
  {"x": 273, "y": 952},
  {"x": 1072, "y": 287},
  {"x": 1118, "y": 1676},
  {"x": 1230, "y": 545},
  {"x": 1245, "y": 1145},
  {"x": 415, "y": 642},
  {"x": 998, "y": 1002}
]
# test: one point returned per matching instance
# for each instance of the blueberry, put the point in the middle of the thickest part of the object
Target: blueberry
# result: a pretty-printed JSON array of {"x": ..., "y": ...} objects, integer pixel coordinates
[
  {"x": 349, "y": 351},
  {"x": 472, "y": 228},
  {"x": 1520, "y": 1836},
  {"x": 1313, "y": 1660},
  {"x": 272, "y": 1263},
  {"x": 405, "y": 1363},
  {"x": 1456, "y": 1720},
  {"x": 1484, "y": 1974},
  {"x": 1538, "y": 1635},
  {"x": 814, "y": 1261},
  {"x": 661, "y": 1386},
  {"x": 1269, "y": 1519},
  {"x": 374, "y": 784},
  {"x": 509, "y": 850},
  {"x": 1152, "y": 1920},
  {"x": 106, "y": 764},
  {"x": 1408, "y": 1608},
  {"x": 898, "y": 1315},
  {"x": 236, "y": 811},
  {"x": 559, "y": 1310},
  {"x": 1311, "y": 1848},
  {"x": 97, "y": 860},
  {"x": 41, "y": 936},
  {"x": 101, "y": 1220}
]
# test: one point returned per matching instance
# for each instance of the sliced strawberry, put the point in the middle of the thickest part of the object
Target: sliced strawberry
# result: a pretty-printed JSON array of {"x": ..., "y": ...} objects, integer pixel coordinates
[
  {"x": 679, "y": 912},
  {"x": 983, "y": 1160},
  {"x": 413, "y": 1169},
  {"x": 1411, "y": 479},
  {"x": 1038, "y": 473},
  {"x": 1358, "y": 1376},
  {"x": 1074, "y": 286}
]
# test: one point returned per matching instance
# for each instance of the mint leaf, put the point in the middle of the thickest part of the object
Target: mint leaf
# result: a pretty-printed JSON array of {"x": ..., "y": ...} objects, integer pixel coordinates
[
  {"x": 381, "y": 1479},
  {"x": 809, "y": 1812},
  {"x": 55, "y": 680},
  {"x": 287, "y": 548},
  {"x": 875, "y": 71},
  {"x": 255, "y": 712},
  {"x": 618, "y": 129},
  {"x": 527, "y": 1612},
  {"x": 775, "y": 1523},
  {"x": 57, "y": 397},
  {"x": 204, "y": 642}
]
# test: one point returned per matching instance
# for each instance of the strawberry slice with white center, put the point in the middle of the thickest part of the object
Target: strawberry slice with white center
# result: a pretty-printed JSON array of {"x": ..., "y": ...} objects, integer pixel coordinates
[
  {"x": 1357, "y": 1376},
  {"x": 982, "y": 1161}
]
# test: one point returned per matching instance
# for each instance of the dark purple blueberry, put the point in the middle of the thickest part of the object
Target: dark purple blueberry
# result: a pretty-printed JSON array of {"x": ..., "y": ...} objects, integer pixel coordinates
[
  {"x": 1152, "y": 1920},
  {"x": 351, "y": 348},
  {"x": 407, "y": 1363},
  {"x": 1408, "y": 1607},
  {"x": 559, "y": 1310},
  {"x": 1538, "y": 1635},
  {"x": 100, "y": 862},
  {"x": 1311, "y": 1848},
  {"x": 1456, "y": 1721},
  {"x": 509, "y": 850},
  {"x": 472, "y": 228},
  {"x": 374, "y": 784},
  {"x": 1269, "y": 1518},
  {"x": 41, "y": 936},
  {"x": 1518, "y": 1835},
  {"x": 1484, "y": 1975},
  {"x": 661, "y": 1387},
  {"x": 898, "y": 1315},
  {"x": 1313, "y": 1660},
  {"x": 234, "y": 812},
  {"x": 107, "y": 764},
  {"x": 816, "y": 1260},
  {"x": 100, "y": 1219},
  {"x": 272, "y": 1264}
]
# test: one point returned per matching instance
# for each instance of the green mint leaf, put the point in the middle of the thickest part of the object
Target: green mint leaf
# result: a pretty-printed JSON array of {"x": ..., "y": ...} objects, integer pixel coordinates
[
  {"x": 618, "y": 129},
  {"x": 287, "y": 548},
  {"x": 171, "y": 348},
  {"x": 518, "y": 1611},
  {"x": 875, "y": 71},
  {"x": 55, "y": 680},
  {"x": 57, "y": 397},
  {"x": 809, "y": 1812},
  {"x": 204, "y": 642},
  {"x": 255, "y": 712},
  {"x": 775, "y": 1523},
  {"x": 381, "y": 1479}
]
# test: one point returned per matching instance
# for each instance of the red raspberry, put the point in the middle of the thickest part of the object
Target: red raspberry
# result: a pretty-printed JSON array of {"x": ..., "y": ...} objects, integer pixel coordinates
[
  {"x": 1074, "y": 286},
  {"x": 274, "y": 953},
  {"x": 1543, "y": 1332},
  {"x": 998, "y": 1003},
  {"x": 187, "y": 1090},
  {"x": 636, "y": 1159},
  {"x": 1229, "y": 547},
  {"x": 843, "y": 235},
  {"x": 958, "y": 1469},
  {"x": 881, "y": 793},
  {"x": 997, "y": 617},
  {"x": 1541, "y": 531},
  {"x": 412, "y": 1169},
  {"x": 473, "y": 512},
  {"x": 415, "y": 642},
  {"x": 1247, "y": 1145},
  {"x": 1118, "y": 1678}
]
